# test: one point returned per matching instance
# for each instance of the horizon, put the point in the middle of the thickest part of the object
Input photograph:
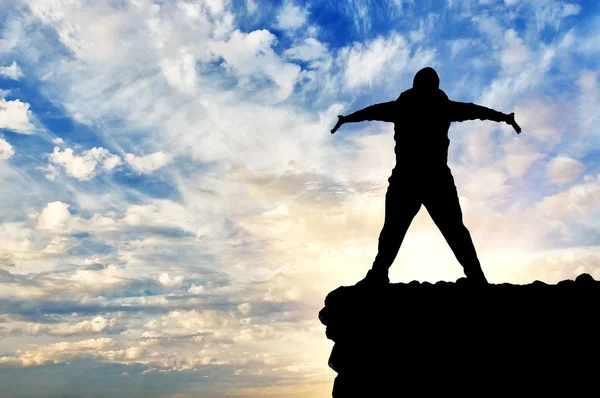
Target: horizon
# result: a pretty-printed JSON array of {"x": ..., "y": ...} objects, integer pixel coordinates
[{"x": 175, "y": 210}]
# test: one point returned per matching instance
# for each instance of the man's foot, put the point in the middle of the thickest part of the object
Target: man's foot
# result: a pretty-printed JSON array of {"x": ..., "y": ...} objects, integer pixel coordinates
[
  {"x": 374, "y": 278},
  {"x": 473, "y": 281},
  {"x": 476, "y": 277}
]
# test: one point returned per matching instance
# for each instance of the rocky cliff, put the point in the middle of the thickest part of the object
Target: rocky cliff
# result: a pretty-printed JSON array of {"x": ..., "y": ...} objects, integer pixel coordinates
[{"x": 419, "y": 339}]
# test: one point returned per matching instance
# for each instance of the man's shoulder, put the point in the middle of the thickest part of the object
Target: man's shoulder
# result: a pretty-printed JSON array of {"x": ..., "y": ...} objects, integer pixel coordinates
[
  {"x": 442, "y": 95},
  {"x": 405, "y": 93}
]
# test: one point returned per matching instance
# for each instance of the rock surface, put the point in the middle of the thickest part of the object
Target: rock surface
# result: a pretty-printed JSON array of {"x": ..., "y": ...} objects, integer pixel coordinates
[{"x": 420, "y": 339}]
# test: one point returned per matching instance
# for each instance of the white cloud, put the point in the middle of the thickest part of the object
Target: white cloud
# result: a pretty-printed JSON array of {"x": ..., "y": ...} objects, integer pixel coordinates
[
  {"x": 519, "y": 156},
  {"x": 12, "y": 72},
  {"x": 570, "y": 9},
  {"x": 55, "y": 217},
  {"x": 366, "y": 62},
  {"x": 51, "y": 171},
  {"x": 515, "y": 53},
  {"x": 193, "y": 320},
  {"x": 311, "y": 49},
  {"x": 245, "y": 309},
  {"x": 97, "y": 324},
  {"x": 62, "y": 352},
  {"x": 127, "y": 354},
  {"x": 180, "y": 72},
  {"x": 577, "y": 201},
  {"x": 166, "y": 280},
  {"x": 196, "y": 289},
  {"x": 552, "y": 13},
  {"x": 588, "y": 108},
  {"x": 148, "y": 163},
  {"x": 83, "y": 167},
  {"x": 215, "y": 6},
  {"x": 481, "y": 183},
  {"x": 250, "y": 56},
  {"x": 459, "y": 45},
  {"x": 480, "y": 145},
  {"x": 16, "y": 116},
  {"x": 540, "y": 121},
  {"x": 563, "y": 169},
  {"x": 91, "y": 280},
  {"x": 291, "y": 16},
  {"x": 251, "y": 6},
  {"x": 6, "y": 150},
  {"x": 490, "y": 26},
  {"x": 110, "y": 162}
]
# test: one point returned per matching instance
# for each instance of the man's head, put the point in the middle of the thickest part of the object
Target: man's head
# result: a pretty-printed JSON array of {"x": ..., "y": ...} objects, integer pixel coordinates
[{"x": 426, "y": 78}]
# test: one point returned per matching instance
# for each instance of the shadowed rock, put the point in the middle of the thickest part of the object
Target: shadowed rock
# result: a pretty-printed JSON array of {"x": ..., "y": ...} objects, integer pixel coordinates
[{"x": 416, "y": 339}]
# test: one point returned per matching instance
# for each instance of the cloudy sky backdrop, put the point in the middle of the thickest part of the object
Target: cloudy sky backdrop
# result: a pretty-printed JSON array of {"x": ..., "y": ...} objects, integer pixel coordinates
[{"x": 174, "y": 209}]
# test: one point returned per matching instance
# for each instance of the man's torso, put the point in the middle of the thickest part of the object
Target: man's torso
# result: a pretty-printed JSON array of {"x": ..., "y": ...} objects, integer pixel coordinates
[{"x": 421, "y": 132}]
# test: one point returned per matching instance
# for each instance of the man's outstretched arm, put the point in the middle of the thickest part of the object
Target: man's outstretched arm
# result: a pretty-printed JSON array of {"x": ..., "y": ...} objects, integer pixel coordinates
[
  {"x": 461, "y": 111},
  {"x": 383, "y": 112}
]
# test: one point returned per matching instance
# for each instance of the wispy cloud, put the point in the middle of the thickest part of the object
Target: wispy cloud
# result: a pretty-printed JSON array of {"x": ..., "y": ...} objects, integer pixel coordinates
[{"x": 12, "y": 72}]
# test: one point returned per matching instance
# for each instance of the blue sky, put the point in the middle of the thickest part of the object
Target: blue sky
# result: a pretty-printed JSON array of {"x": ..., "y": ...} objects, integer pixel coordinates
[{"x": 174, "y": 209}]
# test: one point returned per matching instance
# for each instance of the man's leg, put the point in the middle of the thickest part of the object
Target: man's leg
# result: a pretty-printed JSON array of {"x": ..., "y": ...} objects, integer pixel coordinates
[
  {"x": 441, "y": 201},
  {"x": 402, "y": 203}
]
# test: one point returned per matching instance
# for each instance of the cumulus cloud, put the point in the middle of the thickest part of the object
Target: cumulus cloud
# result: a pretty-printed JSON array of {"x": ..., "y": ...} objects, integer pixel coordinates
[
  {"x": 563, "y": 169},
  {"x": 16, "y": 116},
  {"x": 291, "y": 16},
  {"x": 12, "y": 72},
  {"x": 6, "y": 150},
  {"x": 83, "y": 167},
  {"x": 55, "y": 217},
  {"x": 148, "y": 163}
]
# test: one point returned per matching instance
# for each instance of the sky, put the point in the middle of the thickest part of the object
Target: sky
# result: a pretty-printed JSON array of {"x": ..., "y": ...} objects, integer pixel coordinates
[{"x": 174, "y": 209}]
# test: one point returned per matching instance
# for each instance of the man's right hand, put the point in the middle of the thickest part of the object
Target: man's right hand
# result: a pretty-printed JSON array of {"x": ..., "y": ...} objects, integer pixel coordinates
[
  {"x": 511, "y": 120},
  {"x": 338, "y": 124}
]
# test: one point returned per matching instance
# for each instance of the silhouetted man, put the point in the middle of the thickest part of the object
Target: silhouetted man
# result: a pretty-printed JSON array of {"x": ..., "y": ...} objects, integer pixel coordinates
[{"x": 422, "y": 117}]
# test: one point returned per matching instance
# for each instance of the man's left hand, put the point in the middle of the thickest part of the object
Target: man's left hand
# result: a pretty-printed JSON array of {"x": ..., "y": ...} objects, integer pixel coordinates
[{"x": 338, "y": 124}]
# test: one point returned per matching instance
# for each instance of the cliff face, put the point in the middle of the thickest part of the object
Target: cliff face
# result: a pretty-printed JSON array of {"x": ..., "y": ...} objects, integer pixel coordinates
[{"x": 451, "y": 337}]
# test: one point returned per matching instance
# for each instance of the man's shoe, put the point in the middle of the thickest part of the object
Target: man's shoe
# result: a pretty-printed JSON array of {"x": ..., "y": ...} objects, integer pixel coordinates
[
  {"x": 472, "y": 281},
  {"x": 476, "y": 277},
  {"x": 374, "y": 278}
]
